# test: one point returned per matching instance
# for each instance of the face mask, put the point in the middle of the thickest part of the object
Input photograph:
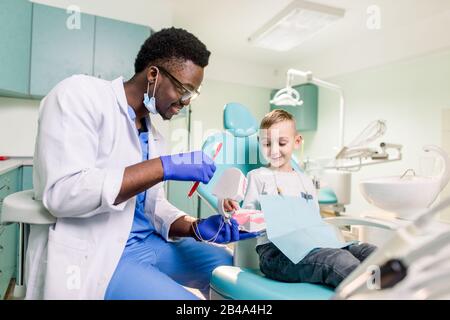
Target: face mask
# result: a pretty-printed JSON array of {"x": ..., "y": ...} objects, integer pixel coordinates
[{"x": 150, "y": 103}]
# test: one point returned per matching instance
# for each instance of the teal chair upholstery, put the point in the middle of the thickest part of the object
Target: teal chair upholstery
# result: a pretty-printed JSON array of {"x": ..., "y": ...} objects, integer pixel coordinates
[
  {"x": 240, "y": 149},
  {"x": 235, "y": 283},
  {"x": 327, "y": 196}
]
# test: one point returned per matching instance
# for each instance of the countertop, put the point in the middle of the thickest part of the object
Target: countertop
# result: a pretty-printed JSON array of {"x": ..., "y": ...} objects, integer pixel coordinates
[
  {"x": 381, "y": 215},
  {"x": 13, "y": 163}
]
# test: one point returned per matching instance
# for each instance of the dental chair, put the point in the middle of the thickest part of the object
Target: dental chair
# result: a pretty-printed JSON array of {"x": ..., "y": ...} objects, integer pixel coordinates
[{"x": 243, "y": 280}]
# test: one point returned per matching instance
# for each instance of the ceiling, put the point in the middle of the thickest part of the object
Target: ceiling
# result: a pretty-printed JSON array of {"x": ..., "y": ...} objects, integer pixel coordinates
[
  {"x": 409, "y": 28},
  {"x": 224, "y": 27}
]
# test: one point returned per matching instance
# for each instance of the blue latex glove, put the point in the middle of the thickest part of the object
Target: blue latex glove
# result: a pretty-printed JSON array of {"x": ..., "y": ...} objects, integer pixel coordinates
[
  {"x": 191, "y": 166},
  {"x": 229, "y": 232}
]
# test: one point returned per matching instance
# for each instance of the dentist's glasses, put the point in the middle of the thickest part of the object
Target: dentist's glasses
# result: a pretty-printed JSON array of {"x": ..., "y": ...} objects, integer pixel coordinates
[{"x": 186, "y": 94}]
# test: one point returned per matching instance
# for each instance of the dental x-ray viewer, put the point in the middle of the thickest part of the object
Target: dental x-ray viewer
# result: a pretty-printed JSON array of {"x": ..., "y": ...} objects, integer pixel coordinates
[{"x": 99, "y": 169}]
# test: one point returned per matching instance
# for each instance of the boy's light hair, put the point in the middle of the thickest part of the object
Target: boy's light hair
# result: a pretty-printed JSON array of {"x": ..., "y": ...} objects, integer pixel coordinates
[{"x": 275, "y": 116}]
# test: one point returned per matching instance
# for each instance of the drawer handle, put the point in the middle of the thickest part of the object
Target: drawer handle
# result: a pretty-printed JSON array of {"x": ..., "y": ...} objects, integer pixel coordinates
[
  {"x": 5, "y": 186},
  {"x": 1, "y": 248}
]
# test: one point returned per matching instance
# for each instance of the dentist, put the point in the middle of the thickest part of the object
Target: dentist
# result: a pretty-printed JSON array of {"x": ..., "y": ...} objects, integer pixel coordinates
[{"x": 100, "y": 166}]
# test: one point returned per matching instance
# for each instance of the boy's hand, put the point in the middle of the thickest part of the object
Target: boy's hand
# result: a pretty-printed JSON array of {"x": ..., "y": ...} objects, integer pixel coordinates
[{"x": 230, "y": 205}]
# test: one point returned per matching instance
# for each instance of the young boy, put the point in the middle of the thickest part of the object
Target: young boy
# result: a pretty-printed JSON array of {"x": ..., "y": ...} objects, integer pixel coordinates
[{"x": 329, "y": 266}]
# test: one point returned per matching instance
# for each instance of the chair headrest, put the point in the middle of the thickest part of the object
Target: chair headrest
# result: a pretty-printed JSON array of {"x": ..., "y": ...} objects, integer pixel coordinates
[{"x": 238, "y": 120}]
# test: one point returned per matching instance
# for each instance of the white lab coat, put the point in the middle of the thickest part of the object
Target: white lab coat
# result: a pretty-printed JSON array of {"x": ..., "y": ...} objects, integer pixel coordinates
[{"x": 85, "y": 141}]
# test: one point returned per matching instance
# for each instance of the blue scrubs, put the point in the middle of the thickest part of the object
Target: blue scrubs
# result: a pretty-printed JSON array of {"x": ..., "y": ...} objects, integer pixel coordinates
[{"x": 152, "y": 268}]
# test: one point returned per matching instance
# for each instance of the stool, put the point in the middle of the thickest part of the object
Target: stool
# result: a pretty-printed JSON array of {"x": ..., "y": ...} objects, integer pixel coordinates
[{"x": 22, "y": 208}]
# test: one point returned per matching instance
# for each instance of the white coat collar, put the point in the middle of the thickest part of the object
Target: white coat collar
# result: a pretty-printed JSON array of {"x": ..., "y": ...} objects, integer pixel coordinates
[{"x": 119, "y": 91}]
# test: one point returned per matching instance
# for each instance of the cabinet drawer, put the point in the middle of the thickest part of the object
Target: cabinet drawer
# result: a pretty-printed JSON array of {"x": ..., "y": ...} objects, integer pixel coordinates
[
  {"x": 9, "y": 183},
  {"x": 5, "y": 277},
  {"x": 8, "y": 246},
  {"x": 8, "y": 256},
  {"x": 5, "y": 188}
]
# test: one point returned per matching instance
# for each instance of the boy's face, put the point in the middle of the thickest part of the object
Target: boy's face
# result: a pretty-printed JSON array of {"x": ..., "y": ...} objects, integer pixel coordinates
[{"x": 278, "y": 142}]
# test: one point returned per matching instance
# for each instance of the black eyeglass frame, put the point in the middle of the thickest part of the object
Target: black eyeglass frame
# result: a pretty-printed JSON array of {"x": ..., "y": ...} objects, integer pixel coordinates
[{"x": 188, "y": 94}]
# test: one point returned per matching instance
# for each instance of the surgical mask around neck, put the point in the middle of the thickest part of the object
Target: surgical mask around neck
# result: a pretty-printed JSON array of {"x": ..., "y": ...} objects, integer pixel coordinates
[{"x": 150, "y": 102}]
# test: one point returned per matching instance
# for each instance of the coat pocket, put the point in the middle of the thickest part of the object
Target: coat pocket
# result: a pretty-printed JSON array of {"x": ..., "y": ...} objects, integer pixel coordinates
[{"x": 67, "y": 266}]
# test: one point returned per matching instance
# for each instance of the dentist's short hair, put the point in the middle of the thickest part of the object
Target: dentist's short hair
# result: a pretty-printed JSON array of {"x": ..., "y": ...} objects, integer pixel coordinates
[
  {"x": 171, "y": 45},
  {"x": 276, "y": 116}
]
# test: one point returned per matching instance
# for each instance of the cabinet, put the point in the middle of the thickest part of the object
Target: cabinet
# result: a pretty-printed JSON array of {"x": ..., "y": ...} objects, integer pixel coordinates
[
  {"x": 27, "y": 177},
  {"x": 43, "y": 45},
  {"x": 306, "y": 114},
  {"x": 117, "y": 44},
  {"x": 15, "y": 38},
  {"x": 58, "y": 49},
  {"x": 9, "y": 183}
]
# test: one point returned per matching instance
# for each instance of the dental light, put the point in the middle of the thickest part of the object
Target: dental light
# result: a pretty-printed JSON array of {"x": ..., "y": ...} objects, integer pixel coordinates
[{"x": 288, "y": 96}]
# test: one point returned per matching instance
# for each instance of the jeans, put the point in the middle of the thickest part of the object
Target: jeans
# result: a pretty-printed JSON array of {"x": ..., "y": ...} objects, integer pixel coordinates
[{"x": 322, "y": 265}]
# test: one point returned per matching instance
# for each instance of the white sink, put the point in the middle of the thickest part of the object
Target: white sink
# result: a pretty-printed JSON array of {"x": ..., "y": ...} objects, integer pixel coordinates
[{"x": 406, "y": 195}]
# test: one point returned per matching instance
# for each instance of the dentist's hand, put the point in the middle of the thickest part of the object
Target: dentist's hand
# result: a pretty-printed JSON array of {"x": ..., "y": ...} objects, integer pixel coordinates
[
  {"x": 191, "y": 166},
  {"x": 208, "y": 230}
]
